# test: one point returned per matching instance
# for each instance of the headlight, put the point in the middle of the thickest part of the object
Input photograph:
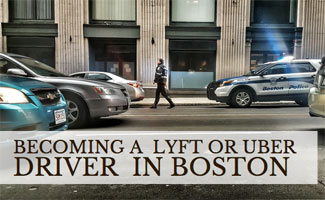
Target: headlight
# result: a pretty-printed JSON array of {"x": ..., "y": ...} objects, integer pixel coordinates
[
  {"x": 225, "y": 83},
  {"x": 11, "y": 95},
  {"x": 104, "y": 91}
]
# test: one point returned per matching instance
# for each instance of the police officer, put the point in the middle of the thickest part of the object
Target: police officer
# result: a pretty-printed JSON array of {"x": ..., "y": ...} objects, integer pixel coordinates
[{"x": 161, "y": 79}]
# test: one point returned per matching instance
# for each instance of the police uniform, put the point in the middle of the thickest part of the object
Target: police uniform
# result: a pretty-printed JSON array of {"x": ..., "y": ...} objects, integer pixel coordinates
[{"x": 161, "y": 79}]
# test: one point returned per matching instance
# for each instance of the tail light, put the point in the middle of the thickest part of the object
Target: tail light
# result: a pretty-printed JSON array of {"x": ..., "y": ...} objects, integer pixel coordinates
[{"x": 136, "y": 85}]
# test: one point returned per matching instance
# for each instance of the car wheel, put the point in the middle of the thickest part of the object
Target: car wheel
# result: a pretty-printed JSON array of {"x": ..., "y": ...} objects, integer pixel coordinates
[
  {"x": 302, "y": 102},
  {"x": 77, "y": 111},
  {"x": 242, "y": 98}
]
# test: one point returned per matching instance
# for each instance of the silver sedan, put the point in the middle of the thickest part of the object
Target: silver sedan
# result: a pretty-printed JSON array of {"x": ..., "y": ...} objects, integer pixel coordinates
[{"x": 134, "y": 88}]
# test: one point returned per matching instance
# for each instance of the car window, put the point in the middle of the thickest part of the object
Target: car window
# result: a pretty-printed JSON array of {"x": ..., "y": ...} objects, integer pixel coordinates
[
  {"x": 94, "y": 76},
  {"x": 277, "y": 69},
  {"x": 301, "y": 68},
  {"x": 6, "y": 64},
  {"x": 38, "y": 67},
  {"x": 78, "y": 76}
]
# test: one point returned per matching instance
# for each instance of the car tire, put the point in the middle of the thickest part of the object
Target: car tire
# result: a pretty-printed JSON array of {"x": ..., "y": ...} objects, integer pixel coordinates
[
  {"x": 302, "y": 102},
  {"x": 77, "y": 111},
  {"x": 241, "y": 98}
]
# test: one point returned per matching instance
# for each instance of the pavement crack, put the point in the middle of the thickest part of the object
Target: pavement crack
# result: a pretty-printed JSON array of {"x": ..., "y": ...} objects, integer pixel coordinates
[{"x": 322, "y": 183}]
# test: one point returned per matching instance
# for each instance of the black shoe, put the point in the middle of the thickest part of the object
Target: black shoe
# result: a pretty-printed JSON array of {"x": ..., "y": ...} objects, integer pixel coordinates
[
  {"x": 153, "y": 107},
  {"x": 171, "y": 106}
]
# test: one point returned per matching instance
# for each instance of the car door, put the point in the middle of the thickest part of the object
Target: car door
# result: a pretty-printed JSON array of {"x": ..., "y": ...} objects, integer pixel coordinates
[
  {"x": 301, "y": 77},
  {"x": 274, "y": 81}
]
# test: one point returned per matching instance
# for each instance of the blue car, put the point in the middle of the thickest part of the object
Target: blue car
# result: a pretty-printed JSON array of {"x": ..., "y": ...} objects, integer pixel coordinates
[{"x": 29, "y": 105}]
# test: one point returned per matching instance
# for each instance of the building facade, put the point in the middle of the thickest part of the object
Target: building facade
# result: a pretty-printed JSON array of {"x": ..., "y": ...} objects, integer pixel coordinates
[{"x": 201, "y": 40}]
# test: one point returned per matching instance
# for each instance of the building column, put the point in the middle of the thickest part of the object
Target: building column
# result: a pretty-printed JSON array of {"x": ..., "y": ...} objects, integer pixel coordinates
[
  {"x": 71, "y": 48},
  {"x": 4, "y": 17},
  {"x": 152, "y": 17},
  {"x": 233, "y": 18},
  {"x": 312, "y": 18}
]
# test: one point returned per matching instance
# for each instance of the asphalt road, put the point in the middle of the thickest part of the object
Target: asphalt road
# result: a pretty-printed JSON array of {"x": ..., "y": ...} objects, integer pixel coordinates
[
  {"x": 212, "y": 118},
  {"x": 193, "y": 118}
]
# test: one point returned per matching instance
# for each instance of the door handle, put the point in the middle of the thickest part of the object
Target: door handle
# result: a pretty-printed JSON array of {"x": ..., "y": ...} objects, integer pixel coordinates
[
  {"x": 313, "y": 76},
  {"x": 282, "y": 78}
]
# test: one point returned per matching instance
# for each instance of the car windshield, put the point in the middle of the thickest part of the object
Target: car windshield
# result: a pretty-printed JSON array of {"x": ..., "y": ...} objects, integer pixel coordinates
[
  {"x": 38, "y": 67},
  {"x": 258, "y": 69}
]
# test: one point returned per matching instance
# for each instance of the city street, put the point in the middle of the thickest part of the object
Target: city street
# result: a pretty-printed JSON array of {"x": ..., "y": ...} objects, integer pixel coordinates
[
  {"x": 260, "y": 117},
  {"x": 265, "y": 117}
]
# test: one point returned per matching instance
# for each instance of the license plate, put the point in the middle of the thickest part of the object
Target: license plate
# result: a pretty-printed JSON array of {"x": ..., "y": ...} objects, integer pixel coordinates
[{"x": 60, "y": 116}]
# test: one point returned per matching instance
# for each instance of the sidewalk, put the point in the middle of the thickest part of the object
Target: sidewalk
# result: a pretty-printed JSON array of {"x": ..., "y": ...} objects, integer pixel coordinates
[{"x": 193, "y": 102}]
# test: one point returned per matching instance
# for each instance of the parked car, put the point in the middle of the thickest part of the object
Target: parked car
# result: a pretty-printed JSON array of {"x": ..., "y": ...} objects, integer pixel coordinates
[
  {"x": 316, "y": 98},
  {"x": 134, "y": 88},
  {"x": 28, "y": 105},
  {"x": 85, "y": 99},
  {"x": 272, "y": 81}
]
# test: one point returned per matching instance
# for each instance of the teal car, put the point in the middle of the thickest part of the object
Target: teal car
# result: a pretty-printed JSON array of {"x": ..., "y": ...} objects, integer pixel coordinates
[{"x": 30, "y": 105}]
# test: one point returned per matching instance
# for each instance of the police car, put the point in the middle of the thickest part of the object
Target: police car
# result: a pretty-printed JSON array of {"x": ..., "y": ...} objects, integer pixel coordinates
[{"x": 286, "y": 79}]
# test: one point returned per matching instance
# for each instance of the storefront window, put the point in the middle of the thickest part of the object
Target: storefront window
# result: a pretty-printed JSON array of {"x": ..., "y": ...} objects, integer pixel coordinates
[
  {"x": 31, "y": 9},
  {"x": 192, "y": 64},
  {"x": 115, "y": 56},
  {"x": 273, "y": 11},
  {"x": 113, "y": 10},
  {"x": 193, "y": 10},
  {"x": 39, "y": 48}
]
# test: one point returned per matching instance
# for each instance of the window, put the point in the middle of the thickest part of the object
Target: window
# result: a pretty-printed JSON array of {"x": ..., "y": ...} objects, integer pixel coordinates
[
  {"x": 31, "y": 9},
  {"x": 193, "y": 11},
  {"x": 273, "y": 11},
  {"x": 113, "y": 10},
  {"x": 116, "y": 56},
  {"x": 277, "y": 69},
  {"x": 95, "y": 76},
  {"x": 192, "y": 63},
  {"x": 5, "y": 65},
  {"x": 301, "y": 68},
  {"x": 39, "y": 48},
  {"x": 78, "y": 76}
]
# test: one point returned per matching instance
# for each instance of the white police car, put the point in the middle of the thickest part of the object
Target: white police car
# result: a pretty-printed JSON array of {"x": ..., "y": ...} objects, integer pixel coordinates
[{"x": 273, "y": 81}]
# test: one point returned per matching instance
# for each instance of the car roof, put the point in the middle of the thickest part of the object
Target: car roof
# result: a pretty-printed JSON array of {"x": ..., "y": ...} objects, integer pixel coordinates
[
  {"x": 294, "y": 61},
  {"x": 12, "y": 54}
]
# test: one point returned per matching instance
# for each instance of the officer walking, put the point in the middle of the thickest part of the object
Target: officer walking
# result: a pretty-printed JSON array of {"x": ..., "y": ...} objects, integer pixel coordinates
[{"x": 161, "y": 79}]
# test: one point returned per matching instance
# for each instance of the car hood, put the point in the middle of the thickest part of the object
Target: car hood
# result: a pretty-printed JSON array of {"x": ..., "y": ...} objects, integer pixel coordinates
[
  {"x": 78, "y": 81},
  {"x": 21, "y": 83}
]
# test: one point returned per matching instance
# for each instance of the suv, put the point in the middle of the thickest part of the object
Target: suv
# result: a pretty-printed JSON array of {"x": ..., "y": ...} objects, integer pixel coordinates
[
  {"x": 272, "y": 81},
  {"x": 316, "y": 98}
]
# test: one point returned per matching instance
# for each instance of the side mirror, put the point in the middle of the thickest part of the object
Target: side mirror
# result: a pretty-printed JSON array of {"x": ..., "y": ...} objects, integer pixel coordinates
[
  {"x": 17, "y": 72},
  {"x": 263, "y": 74}
]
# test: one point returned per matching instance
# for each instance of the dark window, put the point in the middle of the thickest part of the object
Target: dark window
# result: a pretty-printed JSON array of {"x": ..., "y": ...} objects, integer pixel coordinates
[
  {"x": 95, "y": 76},
  {"x": 5, "y": 65},
  {"x": 301, "y": 68},
  {"x": 39, "y": 48},
  {"x": 31, "y": 9},
  {"x": 117, "y": 56},
  {"x": 272, "y": 50},
  {"x": 277, "y": 69},
  {"x": 78, "y": 76},
  {"x": 273, "y": 11},
  {"x": 192, "y": 63}
]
